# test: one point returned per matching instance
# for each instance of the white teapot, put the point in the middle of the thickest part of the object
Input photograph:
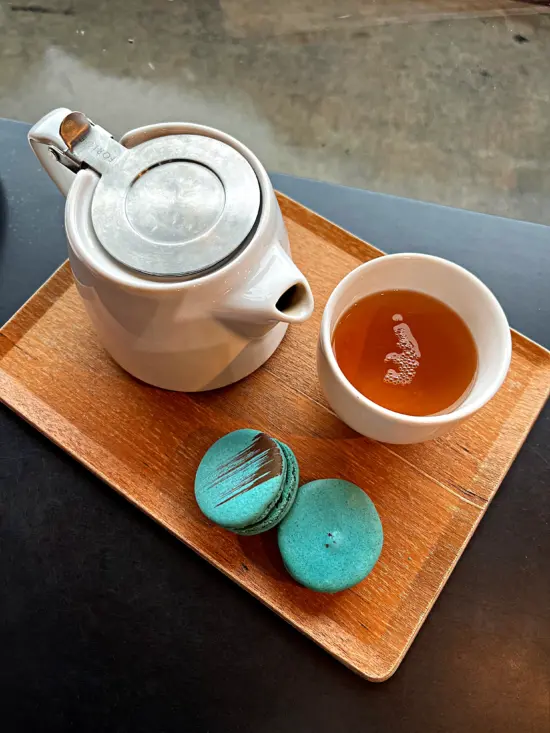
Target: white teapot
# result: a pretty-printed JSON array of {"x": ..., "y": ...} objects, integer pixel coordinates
[{"x": 178, "y": 248}]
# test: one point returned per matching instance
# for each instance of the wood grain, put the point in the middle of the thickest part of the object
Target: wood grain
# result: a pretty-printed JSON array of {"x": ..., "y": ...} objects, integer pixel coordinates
[{"x": 147, "y": 444}]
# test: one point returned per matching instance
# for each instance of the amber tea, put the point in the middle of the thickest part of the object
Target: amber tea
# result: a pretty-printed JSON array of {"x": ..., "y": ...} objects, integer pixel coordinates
[{"x": 406, "y": 351}]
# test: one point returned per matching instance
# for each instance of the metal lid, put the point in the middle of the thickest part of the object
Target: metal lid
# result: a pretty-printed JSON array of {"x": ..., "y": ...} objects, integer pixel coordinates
[{"x": 176, "y": 205}]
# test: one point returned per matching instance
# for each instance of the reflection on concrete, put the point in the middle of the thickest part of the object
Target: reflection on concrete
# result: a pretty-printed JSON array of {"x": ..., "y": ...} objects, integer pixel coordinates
[{"x": 444, "y": 100}]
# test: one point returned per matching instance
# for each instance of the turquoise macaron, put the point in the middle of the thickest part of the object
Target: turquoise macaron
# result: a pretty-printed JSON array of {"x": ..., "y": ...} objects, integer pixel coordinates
[
  {"x": 332, "y": 536},
  {"x": 247, "y": 482}
]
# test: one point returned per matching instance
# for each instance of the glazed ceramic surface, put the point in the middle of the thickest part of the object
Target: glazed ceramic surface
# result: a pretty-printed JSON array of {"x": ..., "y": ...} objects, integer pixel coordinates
[
  {"x": 180, "y": 333},
  {"x": 451, "y": 284}
]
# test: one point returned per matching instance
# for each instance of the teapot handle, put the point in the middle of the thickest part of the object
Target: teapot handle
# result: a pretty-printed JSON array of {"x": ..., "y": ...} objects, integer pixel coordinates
[{"x": 47, "y": 144}]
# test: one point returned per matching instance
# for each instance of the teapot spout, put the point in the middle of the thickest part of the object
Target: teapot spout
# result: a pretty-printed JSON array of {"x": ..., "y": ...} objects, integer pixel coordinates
[
  {"x": 295, "y": 305},
  {"x": 277, "y": 293}
]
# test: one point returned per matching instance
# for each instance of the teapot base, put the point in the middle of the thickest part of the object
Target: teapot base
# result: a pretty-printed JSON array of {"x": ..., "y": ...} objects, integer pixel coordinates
[{"x": 163, "y": 373}]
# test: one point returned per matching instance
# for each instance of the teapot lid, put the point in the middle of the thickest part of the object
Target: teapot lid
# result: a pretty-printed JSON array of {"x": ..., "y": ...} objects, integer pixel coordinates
[{"x": 177, "y": 205}]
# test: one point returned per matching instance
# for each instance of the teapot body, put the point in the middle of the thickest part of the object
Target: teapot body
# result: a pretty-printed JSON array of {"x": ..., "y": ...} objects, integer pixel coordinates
[{"x": 188, "y": 333}]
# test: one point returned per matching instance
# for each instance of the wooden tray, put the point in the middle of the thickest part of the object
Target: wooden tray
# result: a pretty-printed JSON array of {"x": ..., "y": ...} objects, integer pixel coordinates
[{"x": 147, "y": 444}]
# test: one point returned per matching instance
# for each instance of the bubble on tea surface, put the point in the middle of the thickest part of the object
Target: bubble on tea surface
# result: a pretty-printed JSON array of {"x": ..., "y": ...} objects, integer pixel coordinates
[{"x": 406, "y": 361}]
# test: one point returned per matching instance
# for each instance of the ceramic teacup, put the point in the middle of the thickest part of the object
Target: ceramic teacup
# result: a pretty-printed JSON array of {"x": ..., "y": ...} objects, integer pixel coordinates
[{"x": 449, "y": 283}]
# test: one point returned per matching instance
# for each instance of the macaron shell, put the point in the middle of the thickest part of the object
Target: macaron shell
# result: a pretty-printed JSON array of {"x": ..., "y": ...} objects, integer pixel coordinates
[
  {"x": 286, "y": 500},
  {"x": 332, "y": 536},
  {"x": 240, "y": 479}
]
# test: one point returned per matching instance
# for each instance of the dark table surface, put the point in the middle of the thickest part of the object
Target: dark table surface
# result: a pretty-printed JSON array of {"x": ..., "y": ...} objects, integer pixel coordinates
[{"x": 108, "y": 623}]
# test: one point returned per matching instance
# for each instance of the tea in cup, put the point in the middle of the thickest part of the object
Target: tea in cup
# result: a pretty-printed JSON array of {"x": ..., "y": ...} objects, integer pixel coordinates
[{"x": 410, "y": 345}]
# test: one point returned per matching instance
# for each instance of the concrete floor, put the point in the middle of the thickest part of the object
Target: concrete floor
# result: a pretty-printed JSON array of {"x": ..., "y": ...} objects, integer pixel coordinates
[{"x": 446, "y": 106}]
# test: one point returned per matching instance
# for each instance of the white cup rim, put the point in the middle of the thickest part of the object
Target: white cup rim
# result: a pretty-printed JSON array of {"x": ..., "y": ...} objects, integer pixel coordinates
[{"x": 430, "y": 420}]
